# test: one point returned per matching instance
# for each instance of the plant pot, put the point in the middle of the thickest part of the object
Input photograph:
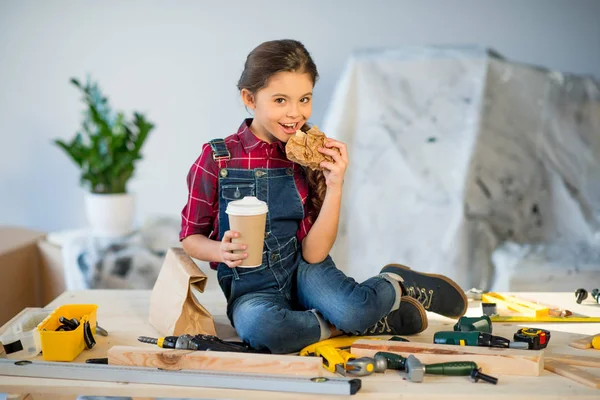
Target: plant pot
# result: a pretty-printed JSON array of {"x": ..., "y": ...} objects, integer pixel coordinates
[{"x": 110, "y": 215}]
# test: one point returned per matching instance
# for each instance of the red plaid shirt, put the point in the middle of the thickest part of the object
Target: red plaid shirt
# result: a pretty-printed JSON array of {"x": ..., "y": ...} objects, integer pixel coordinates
[{"x": 200, "y": 214}]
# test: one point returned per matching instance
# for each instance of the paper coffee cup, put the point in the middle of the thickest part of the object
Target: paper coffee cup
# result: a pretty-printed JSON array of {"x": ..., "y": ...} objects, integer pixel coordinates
[{"x": 248, "y": 216}]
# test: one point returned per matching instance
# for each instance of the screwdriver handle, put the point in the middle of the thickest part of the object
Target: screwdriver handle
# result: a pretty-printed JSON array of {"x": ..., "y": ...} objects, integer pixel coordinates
[
  {"x": 394, "y": 361},
  {"x": 457, "y": 368}
]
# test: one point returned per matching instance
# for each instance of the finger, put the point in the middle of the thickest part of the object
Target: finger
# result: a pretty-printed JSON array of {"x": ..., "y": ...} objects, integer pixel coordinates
[
  {"x": 233, "y": 264},
  {"x": 327, "y": 165},
  {"x": 332, "y": 153},
  {"x": 233, "y": 246},
  {"x": 341, "y": 146},
  {"x": 235, "y": 256},
  {"x": 228, "y": 235}
]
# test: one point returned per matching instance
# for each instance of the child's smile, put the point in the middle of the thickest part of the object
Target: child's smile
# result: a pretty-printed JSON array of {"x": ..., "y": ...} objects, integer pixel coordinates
[{"x": 282, "y": 107}]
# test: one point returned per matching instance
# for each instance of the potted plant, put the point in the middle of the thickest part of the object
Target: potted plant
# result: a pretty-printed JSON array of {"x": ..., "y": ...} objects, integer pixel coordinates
[{"x": 106, "y": 149}]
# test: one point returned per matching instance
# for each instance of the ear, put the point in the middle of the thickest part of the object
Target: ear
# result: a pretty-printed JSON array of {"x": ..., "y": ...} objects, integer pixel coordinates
[{"x": 248, "y": 99}]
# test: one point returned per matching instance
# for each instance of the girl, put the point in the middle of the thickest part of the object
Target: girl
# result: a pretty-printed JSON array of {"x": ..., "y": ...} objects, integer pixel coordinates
[{"x": 297, "y": 296}]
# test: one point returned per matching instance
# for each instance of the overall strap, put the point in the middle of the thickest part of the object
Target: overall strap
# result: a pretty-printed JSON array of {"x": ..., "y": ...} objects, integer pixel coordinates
[{"x": 220, "y": 153}]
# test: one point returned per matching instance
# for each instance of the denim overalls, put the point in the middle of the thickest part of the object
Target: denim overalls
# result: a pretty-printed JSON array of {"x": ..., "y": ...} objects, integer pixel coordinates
[{"x": 285, "y": 304}]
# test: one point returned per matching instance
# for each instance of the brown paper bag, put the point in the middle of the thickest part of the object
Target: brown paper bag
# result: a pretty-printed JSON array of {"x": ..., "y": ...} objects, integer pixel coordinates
[{"x": 174, "y": 309}]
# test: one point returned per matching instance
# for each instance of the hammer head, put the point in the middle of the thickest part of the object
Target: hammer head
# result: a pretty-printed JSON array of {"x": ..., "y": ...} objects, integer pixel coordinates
[{"x": 414, "y": 369}]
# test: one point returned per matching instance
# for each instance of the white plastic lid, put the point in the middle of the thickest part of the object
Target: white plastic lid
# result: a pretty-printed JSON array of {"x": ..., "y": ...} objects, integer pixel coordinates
[{"x": 249, "y": 205}]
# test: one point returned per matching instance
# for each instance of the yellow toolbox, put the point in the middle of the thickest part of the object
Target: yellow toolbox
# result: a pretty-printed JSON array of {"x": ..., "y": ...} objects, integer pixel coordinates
[{"x": 66, "y": 345}]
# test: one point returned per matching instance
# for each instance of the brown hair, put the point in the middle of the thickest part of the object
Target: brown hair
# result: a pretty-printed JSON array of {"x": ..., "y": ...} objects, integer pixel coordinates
[{"x": 266, "y": 60}]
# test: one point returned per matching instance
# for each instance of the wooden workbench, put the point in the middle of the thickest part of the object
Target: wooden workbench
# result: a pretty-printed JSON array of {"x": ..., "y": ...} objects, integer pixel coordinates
[{"x": 124, "y": 314}]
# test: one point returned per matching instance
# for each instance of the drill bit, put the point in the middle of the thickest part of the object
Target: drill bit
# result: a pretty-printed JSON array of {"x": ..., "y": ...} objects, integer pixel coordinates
[{"x": 146, "y": 339}]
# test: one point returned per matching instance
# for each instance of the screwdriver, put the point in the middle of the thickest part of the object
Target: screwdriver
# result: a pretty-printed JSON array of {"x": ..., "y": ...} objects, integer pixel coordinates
[{"x": 460, "y": 368}]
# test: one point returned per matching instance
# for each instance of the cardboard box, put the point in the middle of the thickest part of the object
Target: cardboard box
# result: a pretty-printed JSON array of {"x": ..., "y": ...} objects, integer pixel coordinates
[{"x": 31, "y": 269}]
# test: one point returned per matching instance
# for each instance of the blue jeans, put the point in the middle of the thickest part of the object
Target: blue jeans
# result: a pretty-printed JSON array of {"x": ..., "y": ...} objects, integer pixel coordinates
[
  {"x": 285, "y": 317},
  {"x": 286, "y": 304}
]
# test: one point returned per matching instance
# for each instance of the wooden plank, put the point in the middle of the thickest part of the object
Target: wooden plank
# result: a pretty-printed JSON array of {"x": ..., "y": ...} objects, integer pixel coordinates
[
  {"x": 215, "y": 361},
  {"x": 491, "y": 360},
  {"x": 51, "y": 396},
  {"x": 573, "y": 373},
  {"x": 584, "y": 343},
  {"x": 584, "y": 361}
]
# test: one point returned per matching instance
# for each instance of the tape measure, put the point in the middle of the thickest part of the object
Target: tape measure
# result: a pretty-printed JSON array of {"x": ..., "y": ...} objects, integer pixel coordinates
[{"x": 536, "y": 338}]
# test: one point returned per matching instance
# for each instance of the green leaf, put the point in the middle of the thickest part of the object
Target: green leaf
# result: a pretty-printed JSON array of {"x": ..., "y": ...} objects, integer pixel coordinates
[{"x": 108, "y": 146}]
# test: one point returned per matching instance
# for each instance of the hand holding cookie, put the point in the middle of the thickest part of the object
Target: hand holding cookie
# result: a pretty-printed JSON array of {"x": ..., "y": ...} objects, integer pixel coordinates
[
  {"x": 334, "y": 171},
  {"x": 314, "y": 150}
]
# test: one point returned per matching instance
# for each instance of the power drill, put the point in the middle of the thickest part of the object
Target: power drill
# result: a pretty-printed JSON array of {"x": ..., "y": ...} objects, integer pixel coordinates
[
  {"x": 475, "y": 338},
  {"x": 197, "y": 342}
]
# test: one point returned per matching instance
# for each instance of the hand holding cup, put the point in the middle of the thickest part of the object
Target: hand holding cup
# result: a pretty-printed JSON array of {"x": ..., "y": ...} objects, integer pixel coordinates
[
  {"x": 228, "y": 247},
  {"x": 247, "y": 220}
]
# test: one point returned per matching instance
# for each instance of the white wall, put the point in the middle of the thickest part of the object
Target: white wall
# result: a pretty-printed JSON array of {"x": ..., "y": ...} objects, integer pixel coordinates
[{"x": 179, "y": 61}]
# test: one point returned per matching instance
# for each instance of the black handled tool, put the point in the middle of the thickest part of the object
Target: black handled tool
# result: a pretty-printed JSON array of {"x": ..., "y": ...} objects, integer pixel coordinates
[{"x": 198, "y": 342}]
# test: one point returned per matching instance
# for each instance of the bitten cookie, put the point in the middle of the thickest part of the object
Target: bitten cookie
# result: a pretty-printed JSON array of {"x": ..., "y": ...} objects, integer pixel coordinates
[{"x": 302, "y": 148}]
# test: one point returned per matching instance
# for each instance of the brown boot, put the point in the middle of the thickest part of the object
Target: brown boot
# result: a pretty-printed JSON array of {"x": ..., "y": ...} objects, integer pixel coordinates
[
  {"x": 437, "y": 293},
  {"x": 410, "y": 318}
]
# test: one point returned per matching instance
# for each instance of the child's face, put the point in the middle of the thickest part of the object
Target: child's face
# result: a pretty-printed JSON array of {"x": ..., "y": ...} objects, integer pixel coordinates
[{"x": 281, "y": 107}]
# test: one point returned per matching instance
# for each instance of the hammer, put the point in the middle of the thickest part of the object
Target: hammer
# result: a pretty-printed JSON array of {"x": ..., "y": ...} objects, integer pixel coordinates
[{"x": 416, "y": 370}]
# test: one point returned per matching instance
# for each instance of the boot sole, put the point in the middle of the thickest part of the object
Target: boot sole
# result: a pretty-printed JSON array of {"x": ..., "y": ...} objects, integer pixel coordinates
[{"x": 439, "y": 277}]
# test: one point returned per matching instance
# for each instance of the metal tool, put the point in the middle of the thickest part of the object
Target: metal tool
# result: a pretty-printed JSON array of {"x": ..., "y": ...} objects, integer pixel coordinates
[
  {"x": 197, "y": 342},
  {"x": 475, "y": 338},
  {"x": 416, "y": 370},
  {"x": 469, "y": 324},
  {"x": 580, "y": 295},
  {"x": 102, "y": 360},
  {"x": 193, "y": 378},
  {"x": 334, "y": 354},
  {"x": 361, "y": 366},
  {"x": 101, "y": 331},
  {"x": 596, "y": 295},
  {"x": 333, "y": 359}
]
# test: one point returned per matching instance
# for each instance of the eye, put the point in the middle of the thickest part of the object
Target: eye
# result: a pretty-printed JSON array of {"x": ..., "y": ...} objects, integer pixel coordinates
[
  {"x": 279, "y": 100},
  {"x": 305, "y": 100}
]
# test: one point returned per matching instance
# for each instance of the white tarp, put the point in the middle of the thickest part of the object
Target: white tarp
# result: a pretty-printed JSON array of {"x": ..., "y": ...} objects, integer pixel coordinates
[{"x": 455, "y": 152}]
